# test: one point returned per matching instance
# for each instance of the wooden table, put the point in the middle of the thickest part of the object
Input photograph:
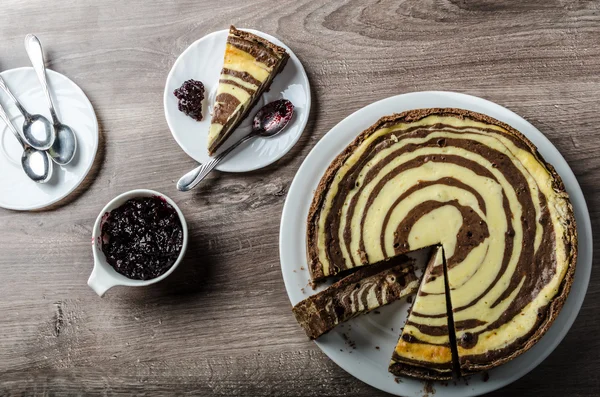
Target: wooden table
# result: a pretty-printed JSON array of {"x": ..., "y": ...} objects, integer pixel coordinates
[{"x": 221, "y": 325}]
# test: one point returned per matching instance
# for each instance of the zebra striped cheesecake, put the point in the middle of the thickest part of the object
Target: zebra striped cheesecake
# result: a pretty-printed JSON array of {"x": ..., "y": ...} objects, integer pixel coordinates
[
  {"x": 366, "y": 289},
  {"x": 478, "y": 188},
  {"x": 249, "y": 66},
  {"x": 424, "y": 349}
]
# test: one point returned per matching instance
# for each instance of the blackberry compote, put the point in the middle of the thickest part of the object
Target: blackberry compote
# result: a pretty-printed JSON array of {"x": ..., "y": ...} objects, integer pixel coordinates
[
  {"x": 190, "y": 96},
  {"x": 142, "y": 238}
]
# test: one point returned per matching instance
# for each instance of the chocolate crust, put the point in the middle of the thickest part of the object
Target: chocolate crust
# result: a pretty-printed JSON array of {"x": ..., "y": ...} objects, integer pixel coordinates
[
  {"x": 546, "y": 317},
  {"x": 279, "y": 51},
  {"x": 414, "y": 371}
]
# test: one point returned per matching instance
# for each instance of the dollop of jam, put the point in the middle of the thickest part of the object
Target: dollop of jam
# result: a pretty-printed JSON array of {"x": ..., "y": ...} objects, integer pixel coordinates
[
  {"x": 142, "y": 238},
  {"x": 190, "y": 96}
]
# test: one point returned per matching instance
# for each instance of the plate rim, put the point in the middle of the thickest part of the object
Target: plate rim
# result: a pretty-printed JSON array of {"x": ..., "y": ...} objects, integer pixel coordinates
[
  {"x": 94, "y": 150},
  {"x": 293, "y": 57},
  {"x": 585, "y": 251}
]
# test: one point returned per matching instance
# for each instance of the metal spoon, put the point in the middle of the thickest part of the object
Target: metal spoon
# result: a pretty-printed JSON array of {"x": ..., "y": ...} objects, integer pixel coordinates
[
  {"x": 37, "y": 130},
  {"x": 36, "y": 163},
  {"x": 270, "y": 120},
  {"x": 65, "y": 145}
]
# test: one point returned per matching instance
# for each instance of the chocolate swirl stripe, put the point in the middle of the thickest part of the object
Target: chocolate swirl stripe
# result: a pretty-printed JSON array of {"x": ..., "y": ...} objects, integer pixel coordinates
[
  {"x": 238, "y": 84},
  {"x": 245, "y": 77},
  {"x": 476, "y": 187}
]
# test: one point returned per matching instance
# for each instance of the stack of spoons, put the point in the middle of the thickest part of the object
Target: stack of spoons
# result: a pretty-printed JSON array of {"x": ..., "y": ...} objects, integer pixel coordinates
[{"x": 43, "y": 142}]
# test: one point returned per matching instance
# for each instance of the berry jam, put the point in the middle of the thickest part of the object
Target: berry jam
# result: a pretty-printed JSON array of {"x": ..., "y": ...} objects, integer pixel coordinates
[
  {"x": 273, "y": 115},
  {"x": 142, "y": 238},
  {"x": 190, "y": 96}
]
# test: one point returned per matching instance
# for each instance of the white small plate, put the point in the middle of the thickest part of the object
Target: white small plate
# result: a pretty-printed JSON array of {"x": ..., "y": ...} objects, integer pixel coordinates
[
  {"x": 366, "y": 362},
  {"x": 18, "y": 192},
  {"x": 203, "y": 61}
]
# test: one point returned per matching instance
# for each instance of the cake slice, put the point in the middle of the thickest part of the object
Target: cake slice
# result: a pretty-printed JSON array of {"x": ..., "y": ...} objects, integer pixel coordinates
[
  {"x": 423, "y": 350},
  {"x": 249, "y": 66},
  {"x": 364, "y": 290}
]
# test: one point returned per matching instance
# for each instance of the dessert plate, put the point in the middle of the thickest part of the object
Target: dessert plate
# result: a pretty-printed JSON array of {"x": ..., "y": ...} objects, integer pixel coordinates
[
  {"x": 203, "y": 61},
  {"x": 18, "y": 192},
  {"x": 363, "y": 346}
]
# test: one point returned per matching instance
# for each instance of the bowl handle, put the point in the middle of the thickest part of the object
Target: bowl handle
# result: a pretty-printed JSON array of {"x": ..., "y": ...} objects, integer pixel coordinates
[{"x": 100, "y": 281}]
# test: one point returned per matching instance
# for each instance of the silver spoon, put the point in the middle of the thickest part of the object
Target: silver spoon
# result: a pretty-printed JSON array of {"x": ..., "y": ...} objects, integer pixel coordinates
[
  {"x": 36, "y": 163},
  {"x": 37, "y": 130},
  {"x": 65, "y": 145},
  {"x": 270, "y": 120}
]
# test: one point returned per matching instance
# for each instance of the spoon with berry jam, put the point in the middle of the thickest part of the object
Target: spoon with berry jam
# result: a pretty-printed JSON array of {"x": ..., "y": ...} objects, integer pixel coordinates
[{"x": 269, "y": 121}]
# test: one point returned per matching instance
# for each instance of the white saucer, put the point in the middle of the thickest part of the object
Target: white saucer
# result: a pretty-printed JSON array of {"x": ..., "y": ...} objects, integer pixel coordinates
[
  {"x": 18, "y": 192},
  {"x": 366, "y": 362},
  {"x": 203, "y": 61}
]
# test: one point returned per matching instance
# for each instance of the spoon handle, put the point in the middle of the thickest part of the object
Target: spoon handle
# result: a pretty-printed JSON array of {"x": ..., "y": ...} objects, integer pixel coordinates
[
  {"x": 4, "y": 87},
  {"x": 192, "y": 178},
  {"x": 10, "y": 125},
  {"x": 36, "y": 56}
]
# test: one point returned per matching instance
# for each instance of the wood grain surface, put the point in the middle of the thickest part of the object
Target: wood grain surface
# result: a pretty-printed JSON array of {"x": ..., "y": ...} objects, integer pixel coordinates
[{"x": 222, "y": 325}]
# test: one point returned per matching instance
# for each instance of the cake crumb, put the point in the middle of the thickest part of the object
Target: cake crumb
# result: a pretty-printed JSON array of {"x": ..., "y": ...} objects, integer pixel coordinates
[
  {"x": 349, "y": 342},
  {"x": 428, "y": 389},
  {"x": 409, "y": 299},
  {"x": 301, "y": 267},
  {"x": 398, "y": 380},
  {"x": 302, "y": 289},
  {"x": 486, "y": 376},
  {"x": 377, "y": 347},
  {"x": 377, "y": 312}
]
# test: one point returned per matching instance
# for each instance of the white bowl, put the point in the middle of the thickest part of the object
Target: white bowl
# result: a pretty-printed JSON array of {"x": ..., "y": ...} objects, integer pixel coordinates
[{"x": 103, "y": 275}]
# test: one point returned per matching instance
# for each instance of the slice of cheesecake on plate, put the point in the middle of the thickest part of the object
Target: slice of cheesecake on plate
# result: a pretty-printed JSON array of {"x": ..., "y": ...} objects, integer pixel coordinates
[
  {"x": 424, "y": 348},
  {"x": 249, "y": 66}
]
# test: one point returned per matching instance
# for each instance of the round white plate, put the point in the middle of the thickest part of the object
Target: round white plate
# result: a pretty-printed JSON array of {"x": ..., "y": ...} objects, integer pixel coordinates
[
  {"x": 18, "y": 192},
  {"x": 366, "y": 362},
  {"x": 203, "y": 61}
]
